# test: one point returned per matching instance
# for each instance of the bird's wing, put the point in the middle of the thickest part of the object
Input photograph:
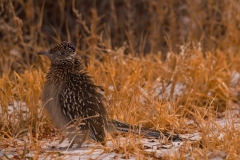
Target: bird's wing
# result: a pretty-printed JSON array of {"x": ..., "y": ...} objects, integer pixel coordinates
[{"x": 79, "y": 99}]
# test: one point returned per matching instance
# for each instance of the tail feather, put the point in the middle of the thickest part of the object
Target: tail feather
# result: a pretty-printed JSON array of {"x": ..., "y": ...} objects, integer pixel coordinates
[{"x": 118, "y": 126}]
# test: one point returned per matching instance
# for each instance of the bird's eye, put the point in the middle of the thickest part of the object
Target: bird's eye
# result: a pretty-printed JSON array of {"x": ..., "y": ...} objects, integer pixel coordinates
[{"x": 62, "y": 53}]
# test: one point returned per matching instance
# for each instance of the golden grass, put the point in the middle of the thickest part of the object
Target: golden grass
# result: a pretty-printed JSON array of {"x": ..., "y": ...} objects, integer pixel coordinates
[
  {"x": 130, "y": 85},
  {"x": 193, "y": 82}
]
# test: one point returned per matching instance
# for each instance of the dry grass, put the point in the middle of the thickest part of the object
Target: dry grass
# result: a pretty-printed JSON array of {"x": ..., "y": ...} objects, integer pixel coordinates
[{"x": 193, "y": 82}]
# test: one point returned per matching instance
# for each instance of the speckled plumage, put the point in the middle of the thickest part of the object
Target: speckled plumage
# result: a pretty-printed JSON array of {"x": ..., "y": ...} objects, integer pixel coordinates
[{"x": 73, "y": 93}]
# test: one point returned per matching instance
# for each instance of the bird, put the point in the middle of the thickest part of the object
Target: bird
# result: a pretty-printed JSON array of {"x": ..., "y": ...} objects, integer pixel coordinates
[{"x": 69, "y": 95}]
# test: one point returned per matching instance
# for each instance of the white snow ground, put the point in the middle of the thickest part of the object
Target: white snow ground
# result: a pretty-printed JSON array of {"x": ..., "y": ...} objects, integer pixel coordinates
[{"x": 92, "y": 150}]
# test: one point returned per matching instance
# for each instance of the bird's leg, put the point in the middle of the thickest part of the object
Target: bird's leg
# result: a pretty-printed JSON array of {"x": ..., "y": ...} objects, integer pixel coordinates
[
  {"x": 84, "y": 138},
  {"x": 62, "y": 139},
  {"x": 78, "y": 138}
]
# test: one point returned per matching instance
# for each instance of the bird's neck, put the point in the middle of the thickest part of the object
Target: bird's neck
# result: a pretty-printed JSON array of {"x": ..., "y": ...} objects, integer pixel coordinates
[{"x": 59, "y": 71}]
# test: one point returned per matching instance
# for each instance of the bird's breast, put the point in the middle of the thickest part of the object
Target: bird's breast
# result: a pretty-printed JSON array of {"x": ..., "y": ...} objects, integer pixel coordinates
[{"x": 50, "y": 99}]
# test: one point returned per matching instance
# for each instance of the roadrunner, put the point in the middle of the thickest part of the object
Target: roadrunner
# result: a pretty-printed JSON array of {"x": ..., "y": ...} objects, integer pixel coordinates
[{"x": 69, "y": 94}]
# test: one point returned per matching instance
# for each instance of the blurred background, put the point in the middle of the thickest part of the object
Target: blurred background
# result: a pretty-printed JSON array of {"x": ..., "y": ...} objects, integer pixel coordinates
[{"x": 141, "y": 26}]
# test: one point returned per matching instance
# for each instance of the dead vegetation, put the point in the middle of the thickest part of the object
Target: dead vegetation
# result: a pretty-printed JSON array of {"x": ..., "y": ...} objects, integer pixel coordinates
[{"x": 160, "y": 63}]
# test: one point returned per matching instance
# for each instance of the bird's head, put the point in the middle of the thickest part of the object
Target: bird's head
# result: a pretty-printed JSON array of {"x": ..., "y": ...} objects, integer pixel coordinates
[{"x": 60, "y": 52}]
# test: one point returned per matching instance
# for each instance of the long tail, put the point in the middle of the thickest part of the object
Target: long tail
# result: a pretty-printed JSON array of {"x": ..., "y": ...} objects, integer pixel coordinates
[{"x": 115, "y": 126}]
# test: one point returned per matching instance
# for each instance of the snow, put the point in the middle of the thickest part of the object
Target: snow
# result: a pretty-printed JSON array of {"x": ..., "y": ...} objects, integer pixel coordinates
[{"x": 92, "y": 150}]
